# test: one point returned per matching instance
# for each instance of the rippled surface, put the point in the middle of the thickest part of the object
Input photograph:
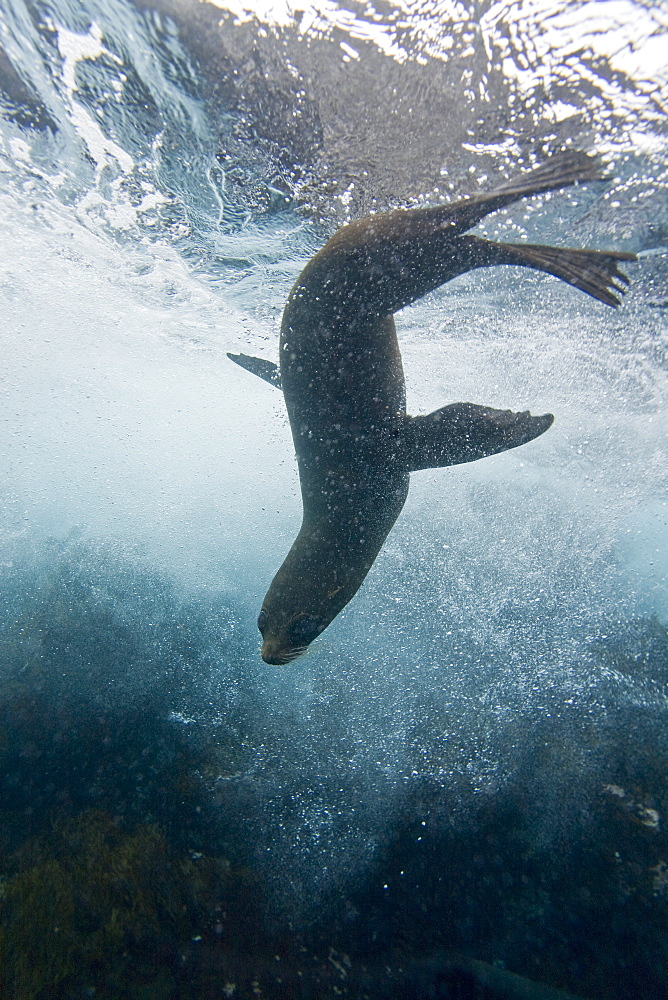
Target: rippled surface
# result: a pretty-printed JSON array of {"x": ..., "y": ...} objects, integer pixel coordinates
[{"x": 472, "y": 760}]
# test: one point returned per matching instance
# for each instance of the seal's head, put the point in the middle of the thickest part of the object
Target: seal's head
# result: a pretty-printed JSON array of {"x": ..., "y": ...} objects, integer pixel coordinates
[
  {"x": 322, "y": 571},
  {"x": 284, "y": 640},
  {"x": 307, "y": 593}
]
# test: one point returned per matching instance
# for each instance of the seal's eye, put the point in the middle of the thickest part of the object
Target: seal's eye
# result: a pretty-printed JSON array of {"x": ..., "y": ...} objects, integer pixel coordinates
[
  {"x": 304, "y": 630},
  {"x": 262, "y": 620}
]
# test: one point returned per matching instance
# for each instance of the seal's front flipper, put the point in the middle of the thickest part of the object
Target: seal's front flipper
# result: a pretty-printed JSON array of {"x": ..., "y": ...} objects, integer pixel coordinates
[
  {"x": 266, "y": 370},
  {"x": 464, "y": 432}
]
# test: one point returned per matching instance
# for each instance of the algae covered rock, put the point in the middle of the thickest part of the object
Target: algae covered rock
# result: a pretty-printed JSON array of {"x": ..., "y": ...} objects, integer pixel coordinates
[{"x": 96, "y": 906}]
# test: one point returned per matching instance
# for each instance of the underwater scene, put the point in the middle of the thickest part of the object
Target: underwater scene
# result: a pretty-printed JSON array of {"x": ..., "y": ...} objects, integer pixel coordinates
[{"x": 461, "y": 789}]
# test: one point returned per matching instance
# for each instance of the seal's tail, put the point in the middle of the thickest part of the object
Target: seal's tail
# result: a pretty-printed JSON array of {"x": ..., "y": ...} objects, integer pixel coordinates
[{"x": 595, "y": 272}]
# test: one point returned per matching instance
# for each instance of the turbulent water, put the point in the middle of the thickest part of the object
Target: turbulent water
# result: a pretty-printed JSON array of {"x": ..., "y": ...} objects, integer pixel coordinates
[{"x": 472, "y": 759}]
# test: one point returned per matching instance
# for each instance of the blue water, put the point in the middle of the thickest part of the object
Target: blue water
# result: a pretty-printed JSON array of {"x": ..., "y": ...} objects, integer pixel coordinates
[{"x": 472, "y": 759}]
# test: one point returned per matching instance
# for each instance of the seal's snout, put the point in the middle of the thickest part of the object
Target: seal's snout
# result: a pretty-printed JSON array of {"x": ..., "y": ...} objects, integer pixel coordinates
[
  {"x": 283, "y": 642},
  {"x": 277, "y": 657},
  {"x": 272, "y": 657}
]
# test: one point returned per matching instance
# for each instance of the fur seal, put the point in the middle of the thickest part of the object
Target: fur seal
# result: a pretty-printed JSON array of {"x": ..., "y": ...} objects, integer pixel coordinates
[{"x": 341, "y": 373}]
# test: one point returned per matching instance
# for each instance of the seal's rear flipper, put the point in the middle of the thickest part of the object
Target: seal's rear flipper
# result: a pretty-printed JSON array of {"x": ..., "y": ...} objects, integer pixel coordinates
[
  {"x": 464, "y": 432},
  {"x": 266, "y": 370},
  {"x": 560, "y": 171},
  {"x": 595, "y": 272}
]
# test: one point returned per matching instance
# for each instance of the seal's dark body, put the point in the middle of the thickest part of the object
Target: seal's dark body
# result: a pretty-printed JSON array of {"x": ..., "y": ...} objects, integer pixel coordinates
[{"x": 341, "y": 372}]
